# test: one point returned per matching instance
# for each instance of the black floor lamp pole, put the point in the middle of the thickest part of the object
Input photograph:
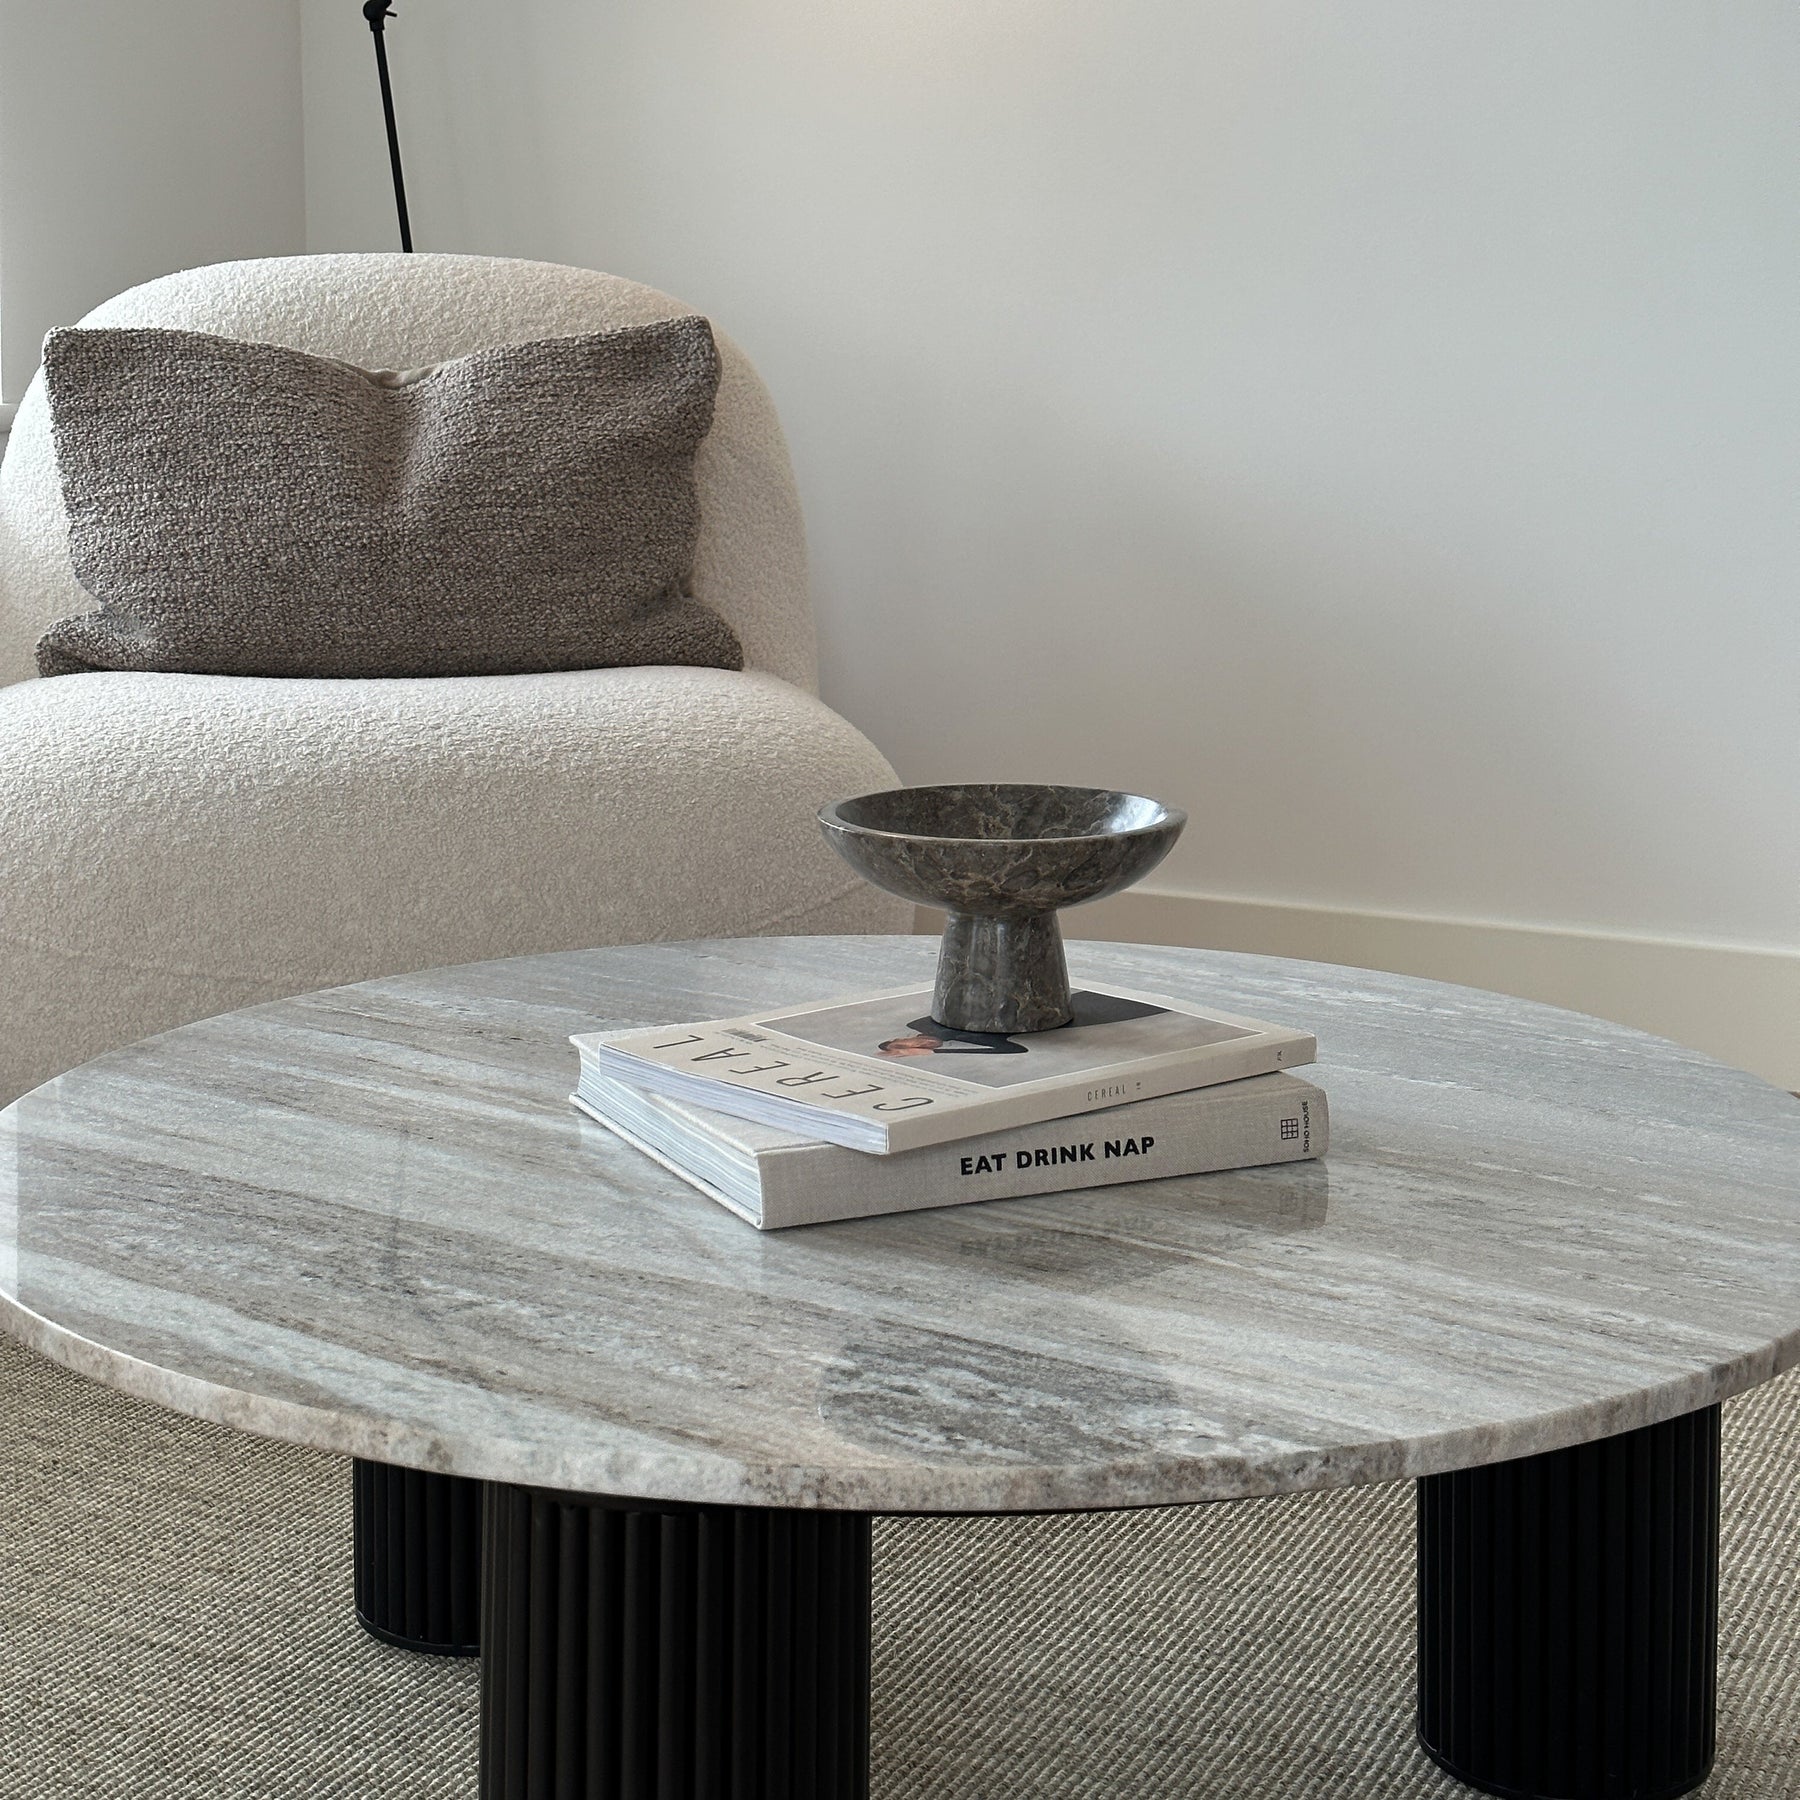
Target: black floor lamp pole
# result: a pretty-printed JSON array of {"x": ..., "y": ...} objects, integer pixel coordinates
[{"x": 377, "y": 13}]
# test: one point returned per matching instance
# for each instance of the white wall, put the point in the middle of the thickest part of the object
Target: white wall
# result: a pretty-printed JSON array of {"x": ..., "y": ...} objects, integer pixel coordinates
[
  {"x": 1373, "y": 426},
  {"x": 137, "y": 137}
]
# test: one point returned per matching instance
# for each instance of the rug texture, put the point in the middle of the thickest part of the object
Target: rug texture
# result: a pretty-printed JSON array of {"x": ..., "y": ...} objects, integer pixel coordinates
[{"x": 175, "y": 1624}]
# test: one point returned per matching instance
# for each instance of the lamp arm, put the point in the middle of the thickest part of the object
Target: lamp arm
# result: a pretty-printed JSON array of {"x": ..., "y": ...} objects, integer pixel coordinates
[{"x": 378, "y": 12}]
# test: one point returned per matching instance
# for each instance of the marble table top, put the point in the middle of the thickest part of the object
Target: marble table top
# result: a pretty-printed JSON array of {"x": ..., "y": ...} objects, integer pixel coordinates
[{"x": 369, "y": 1220}]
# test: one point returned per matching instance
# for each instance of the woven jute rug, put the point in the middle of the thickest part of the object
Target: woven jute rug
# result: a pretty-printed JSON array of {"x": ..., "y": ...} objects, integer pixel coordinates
[{"x": 175, "y": 1624}]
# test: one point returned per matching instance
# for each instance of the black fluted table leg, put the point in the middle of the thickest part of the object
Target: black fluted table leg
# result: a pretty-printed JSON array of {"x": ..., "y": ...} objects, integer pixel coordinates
[
  {"x": 639, "y": 1650},
  {"x": 1568, "y": 1617},
  {"x": 418, "y": 1558}
]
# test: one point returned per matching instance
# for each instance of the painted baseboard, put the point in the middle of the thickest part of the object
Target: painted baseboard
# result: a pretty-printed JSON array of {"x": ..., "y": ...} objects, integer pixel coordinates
[{"x": 1740, "y": 1005}]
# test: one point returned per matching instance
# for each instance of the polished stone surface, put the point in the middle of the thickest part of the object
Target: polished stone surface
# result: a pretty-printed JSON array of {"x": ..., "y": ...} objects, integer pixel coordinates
[
  {"x": 1002, "y": 975},
  {"x": 370, "y": 1221},
  {"x": 1001, "y": 859}
]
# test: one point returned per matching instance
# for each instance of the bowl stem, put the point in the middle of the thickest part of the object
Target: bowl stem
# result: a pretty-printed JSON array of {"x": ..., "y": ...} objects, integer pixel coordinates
[{"x": 1002, "y": 974}]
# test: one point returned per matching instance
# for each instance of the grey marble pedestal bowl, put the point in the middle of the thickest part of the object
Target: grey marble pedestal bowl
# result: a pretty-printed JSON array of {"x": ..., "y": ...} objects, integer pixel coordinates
[{"x": 1001, "y": 861}]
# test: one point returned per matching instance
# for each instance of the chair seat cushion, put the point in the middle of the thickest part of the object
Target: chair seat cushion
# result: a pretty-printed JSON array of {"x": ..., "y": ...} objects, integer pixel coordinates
[{"x": 175, "y": 845}]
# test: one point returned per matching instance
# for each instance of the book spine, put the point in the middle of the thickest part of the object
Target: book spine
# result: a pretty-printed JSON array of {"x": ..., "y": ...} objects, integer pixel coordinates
[{"x": 1268, "y": 1119}]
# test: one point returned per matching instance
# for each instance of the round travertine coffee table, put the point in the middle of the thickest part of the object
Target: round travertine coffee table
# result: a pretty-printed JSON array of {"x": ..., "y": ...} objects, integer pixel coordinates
[{"x": 1540, "y": 1253}]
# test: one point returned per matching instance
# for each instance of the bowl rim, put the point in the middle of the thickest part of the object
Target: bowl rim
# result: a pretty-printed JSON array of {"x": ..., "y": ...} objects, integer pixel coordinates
[{"x": 1174, "y": 816}]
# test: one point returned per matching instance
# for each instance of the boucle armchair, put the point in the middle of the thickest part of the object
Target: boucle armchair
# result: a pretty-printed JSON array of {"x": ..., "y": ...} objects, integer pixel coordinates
[{"x": 175, "y": 845}]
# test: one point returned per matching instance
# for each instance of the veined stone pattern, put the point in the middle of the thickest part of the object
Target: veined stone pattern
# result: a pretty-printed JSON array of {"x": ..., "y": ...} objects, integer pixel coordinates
[{"x": 369, "y": 1220}]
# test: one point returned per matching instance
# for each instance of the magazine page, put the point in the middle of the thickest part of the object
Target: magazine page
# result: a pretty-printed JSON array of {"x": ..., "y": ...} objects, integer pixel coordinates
[{"x": 1108, "y": 1030}]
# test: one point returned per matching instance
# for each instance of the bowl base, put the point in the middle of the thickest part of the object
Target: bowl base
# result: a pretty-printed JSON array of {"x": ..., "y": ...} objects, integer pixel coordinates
[{"x": 1002, "y": 975}]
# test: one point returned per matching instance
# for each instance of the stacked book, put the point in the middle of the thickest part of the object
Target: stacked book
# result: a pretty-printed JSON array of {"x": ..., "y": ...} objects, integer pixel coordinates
[{"x": 865, "y": 1106}]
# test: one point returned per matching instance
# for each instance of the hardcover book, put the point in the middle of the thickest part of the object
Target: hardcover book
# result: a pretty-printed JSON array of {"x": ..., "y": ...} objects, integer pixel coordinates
[
  {"x": 877, "y": 1073},
  {"x": 775, "y": 1179}
]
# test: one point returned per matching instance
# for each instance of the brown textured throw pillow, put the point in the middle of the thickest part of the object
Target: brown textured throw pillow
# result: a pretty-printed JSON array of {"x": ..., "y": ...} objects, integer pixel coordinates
[{"x": 241, "y": 509}]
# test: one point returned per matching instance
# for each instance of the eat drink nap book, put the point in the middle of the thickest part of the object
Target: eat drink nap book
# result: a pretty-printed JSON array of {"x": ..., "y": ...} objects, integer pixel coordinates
[
  {"x": 876, "y": 1073},
  {"x": 775, "y": 1179}
]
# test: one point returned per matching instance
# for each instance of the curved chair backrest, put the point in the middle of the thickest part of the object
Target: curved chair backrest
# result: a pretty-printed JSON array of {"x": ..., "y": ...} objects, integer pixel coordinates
[{"x": 393, "y": 311}]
